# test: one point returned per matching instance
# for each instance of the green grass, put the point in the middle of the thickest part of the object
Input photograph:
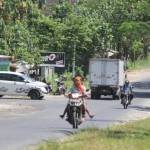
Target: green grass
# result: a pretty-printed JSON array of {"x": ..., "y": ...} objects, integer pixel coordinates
[
  {"x": 139, "y": 64},
  {"x": 133, "y": 136}
]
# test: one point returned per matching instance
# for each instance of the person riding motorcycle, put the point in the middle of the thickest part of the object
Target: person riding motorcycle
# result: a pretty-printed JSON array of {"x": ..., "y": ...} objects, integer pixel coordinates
[
  {"x": 127, "y": 86},
  {"x": 78, "y": 87}
]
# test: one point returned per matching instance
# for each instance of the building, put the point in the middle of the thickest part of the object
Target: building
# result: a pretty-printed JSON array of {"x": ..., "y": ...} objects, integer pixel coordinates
[{"x": 5, "y": 62}]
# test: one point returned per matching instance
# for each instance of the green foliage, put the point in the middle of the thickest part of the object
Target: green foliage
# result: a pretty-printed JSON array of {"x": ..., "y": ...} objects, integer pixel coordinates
[
  {"x": 52, "y": 81},
  {"x": 139, "y": 63},
  {"x": 89, "y": 27},
  {"x": 68, "y": 80}
]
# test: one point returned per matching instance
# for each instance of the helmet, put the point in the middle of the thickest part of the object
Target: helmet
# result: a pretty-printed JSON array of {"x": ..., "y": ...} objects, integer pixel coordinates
[{"x": 126, "y": 82}]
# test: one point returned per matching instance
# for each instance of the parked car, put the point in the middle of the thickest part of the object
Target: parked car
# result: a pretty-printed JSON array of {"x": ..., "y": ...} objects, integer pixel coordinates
[{"x": 18, "y": 84}]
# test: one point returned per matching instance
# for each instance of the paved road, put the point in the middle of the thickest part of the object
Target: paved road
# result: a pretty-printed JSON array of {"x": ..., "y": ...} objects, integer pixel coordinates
[{"x": 29, "y": 122}]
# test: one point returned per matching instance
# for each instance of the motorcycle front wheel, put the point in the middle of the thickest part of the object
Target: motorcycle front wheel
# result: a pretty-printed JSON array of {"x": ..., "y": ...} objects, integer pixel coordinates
[
  {"x": 125, "y": 106},
  {"x": 75, "y": 119},
  {"x": 125, "y": 103}
]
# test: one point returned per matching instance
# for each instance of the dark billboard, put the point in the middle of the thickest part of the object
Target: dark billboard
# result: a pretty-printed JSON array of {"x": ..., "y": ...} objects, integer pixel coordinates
[{"x": 55, "y": 59}]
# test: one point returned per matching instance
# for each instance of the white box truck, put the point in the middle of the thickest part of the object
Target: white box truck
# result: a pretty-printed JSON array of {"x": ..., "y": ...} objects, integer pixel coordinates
[{"x": 106, "y": 77}]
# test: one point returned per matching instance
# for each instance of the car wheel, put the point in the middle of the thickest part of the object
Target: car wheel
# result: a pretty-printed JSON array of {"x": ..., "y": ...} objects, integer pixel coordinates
[
  {"x": 1, "y": 95},
  {"x": 93, "y": 95},
  {"x": 34, "y": 95},
  {"x": 41, "y": 97},
  {"x": 114, "y": 97}
]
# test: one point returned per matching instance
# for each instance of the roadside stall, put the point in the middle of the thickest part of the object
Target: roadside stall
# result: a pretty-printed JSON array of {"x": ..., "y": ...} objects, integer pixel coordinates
[
  {"x": 50, "y": 60},
  {"x": 5, "y": 62}
]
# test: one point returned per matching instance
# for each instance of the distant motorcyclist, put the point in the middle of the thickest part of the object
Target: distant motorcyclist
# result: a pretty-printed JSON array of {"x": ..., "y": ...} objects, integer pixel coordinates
[
  {"x": 78, "y": 87},
  {"x": 60, "y": 87},
  {"x": 127, "y": 87}
]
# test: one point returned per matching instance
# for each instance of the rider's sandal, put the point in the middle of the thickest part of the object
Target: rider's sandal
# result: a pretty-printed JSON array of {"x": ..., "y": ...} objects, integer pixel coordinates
[{"x": 61, "y": 116}]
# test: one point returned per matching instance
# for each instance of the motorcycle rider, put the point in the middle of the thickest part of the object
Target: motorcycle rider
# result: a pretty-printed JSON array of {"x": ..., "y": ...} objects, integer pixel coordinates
[
  {"x": 80, "y": 88},
  {"x": 127, "y": 86},
  {"x": 60, "y": 86}
]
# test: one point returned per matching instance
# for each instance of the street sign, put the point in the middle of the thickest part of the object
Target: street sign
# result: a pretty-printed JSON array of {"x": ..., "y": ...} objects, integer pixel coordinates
[{"x": 54, "y": 59}]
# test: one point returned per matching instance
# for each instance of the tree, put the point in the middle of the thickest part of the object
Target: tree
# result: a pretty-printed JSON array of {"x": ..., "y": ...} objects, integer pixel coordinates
[{"x": 89, "y": 28}]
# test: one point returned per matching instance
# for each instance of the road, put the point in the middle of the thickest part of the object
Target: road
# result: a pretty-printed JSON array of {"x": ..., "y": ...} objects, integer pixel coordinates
[{"x": 25, "y": 122}]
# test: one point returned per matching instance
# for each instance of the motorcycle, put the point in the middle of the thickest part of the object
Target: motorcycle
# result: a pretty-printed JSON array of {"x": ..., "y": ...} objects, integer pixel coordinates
[
  {"x": 49, "y": 87},
  {"x": 75, "y": 110},
  {"x": 60, "y": 88},
  {"x": 125, "y": 99}
]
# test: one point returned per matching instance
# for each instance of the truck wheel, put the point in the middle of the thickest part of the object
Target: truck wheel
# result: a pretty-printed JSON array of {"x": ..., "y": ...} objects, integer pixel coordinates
[
  {"x": 92, "y": 95},
  {"x": 97, "y": 96},
  {"x": 41, "y": 97},
  {"x": 114, "y": 97},
  {"x": 117, "y": 97}
]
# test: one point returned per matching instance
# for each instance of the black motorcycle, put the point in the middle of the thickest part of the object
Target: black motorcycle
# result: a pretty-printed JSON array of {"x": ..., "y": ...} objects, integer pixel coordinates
[
  {"x": 60, "y": 88},
  {"x": 75, "y": 110},
  {"x": 125, "y": 99}
]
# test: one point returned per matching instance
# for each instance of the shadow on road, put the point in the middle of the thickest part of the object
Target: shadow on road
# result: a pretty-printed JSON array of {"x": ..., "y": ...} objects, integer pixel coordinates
[
  {"x": 65, "y": 131},
  {"x": 141, "y": 85},
  {"x": 141, "y": 108},
  {"x": 141, "y": 94},
  {"x": 141, "y": 89},
  {"x": 102, "y": 99},
  {"x": 18, "y": 98}
]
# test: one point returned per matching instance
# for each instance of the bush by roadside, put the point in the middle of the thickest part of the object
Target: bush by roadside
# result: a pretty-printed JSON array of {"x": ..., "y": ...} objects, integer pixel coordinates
[
  {"x": 68, "y": 83},
  {"x": 139, "y": 64}
]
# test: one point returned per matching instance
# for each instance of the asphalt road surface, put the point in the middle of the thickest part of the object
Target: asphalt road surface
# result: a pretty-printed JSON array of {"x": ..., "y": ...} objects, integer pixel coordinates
[{"x": 25, "y": 122}]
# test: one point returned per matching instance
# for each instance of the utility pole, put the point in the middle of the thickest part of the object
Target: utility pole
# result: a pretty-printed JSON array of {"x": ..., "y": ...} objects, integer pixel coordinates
[
  {"x": 74, "y": 59},
  {"x": 74, "y": 2}
]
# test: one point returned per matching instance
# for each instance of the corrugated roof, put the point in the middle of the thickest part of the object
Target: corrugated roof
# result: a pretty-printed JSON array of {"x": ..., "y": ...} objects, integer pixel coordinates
[{"x": 4, "y": 56}]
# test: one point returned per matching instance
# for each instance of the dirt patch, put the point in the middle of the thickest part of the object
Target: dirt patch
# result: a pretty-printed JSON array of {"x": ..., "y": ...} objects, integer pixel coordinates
[
  {"x": 15, "y": 109},
  {"x": 138, "y": 75}
]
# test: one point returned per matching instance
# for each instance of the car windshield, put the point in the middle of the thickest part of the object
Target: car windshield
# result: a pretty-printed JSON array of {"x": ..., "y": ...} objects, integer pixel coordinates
[{"x": 27, "y": 78}]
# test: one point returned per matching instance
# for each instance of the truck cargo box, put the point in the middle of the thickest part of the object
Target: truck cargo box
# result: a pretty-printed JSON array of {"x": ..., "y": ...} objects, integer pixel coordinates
[
  {"x": 106, "y": 77},
  {"x": 106, "y": 72}
]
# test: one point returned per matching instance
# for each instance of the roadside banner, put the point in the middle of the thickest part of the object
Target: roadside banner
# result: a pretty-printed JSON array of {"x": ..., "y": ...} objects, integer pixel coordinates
[{"x": 54, "y": 59}]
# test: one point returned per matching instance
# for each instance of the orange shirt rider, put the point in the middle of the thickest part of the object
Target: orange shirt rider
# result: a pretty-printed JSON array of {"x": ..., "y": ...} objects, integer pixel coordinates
[{"x": 78, "y": 86}]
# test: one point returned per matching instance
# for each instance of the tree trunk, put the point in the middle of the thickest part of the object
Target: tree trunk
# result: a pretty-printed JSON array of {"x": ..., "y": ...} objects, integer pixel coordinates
[{"x": 145, "y": 50}]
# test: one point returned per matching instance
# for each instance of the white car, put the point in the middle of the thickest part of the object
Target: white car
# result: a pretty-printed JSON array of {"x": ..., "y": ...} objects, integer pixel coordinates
[{"x": 13, "y": 83}]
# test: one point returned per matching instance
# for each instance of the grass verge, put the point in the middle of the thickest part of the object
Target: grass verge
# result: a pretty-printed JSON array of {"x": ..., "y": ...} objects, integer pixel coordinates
[
  {"x": 139, "y": 64},
  {"x": 132, "y": 136}
]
